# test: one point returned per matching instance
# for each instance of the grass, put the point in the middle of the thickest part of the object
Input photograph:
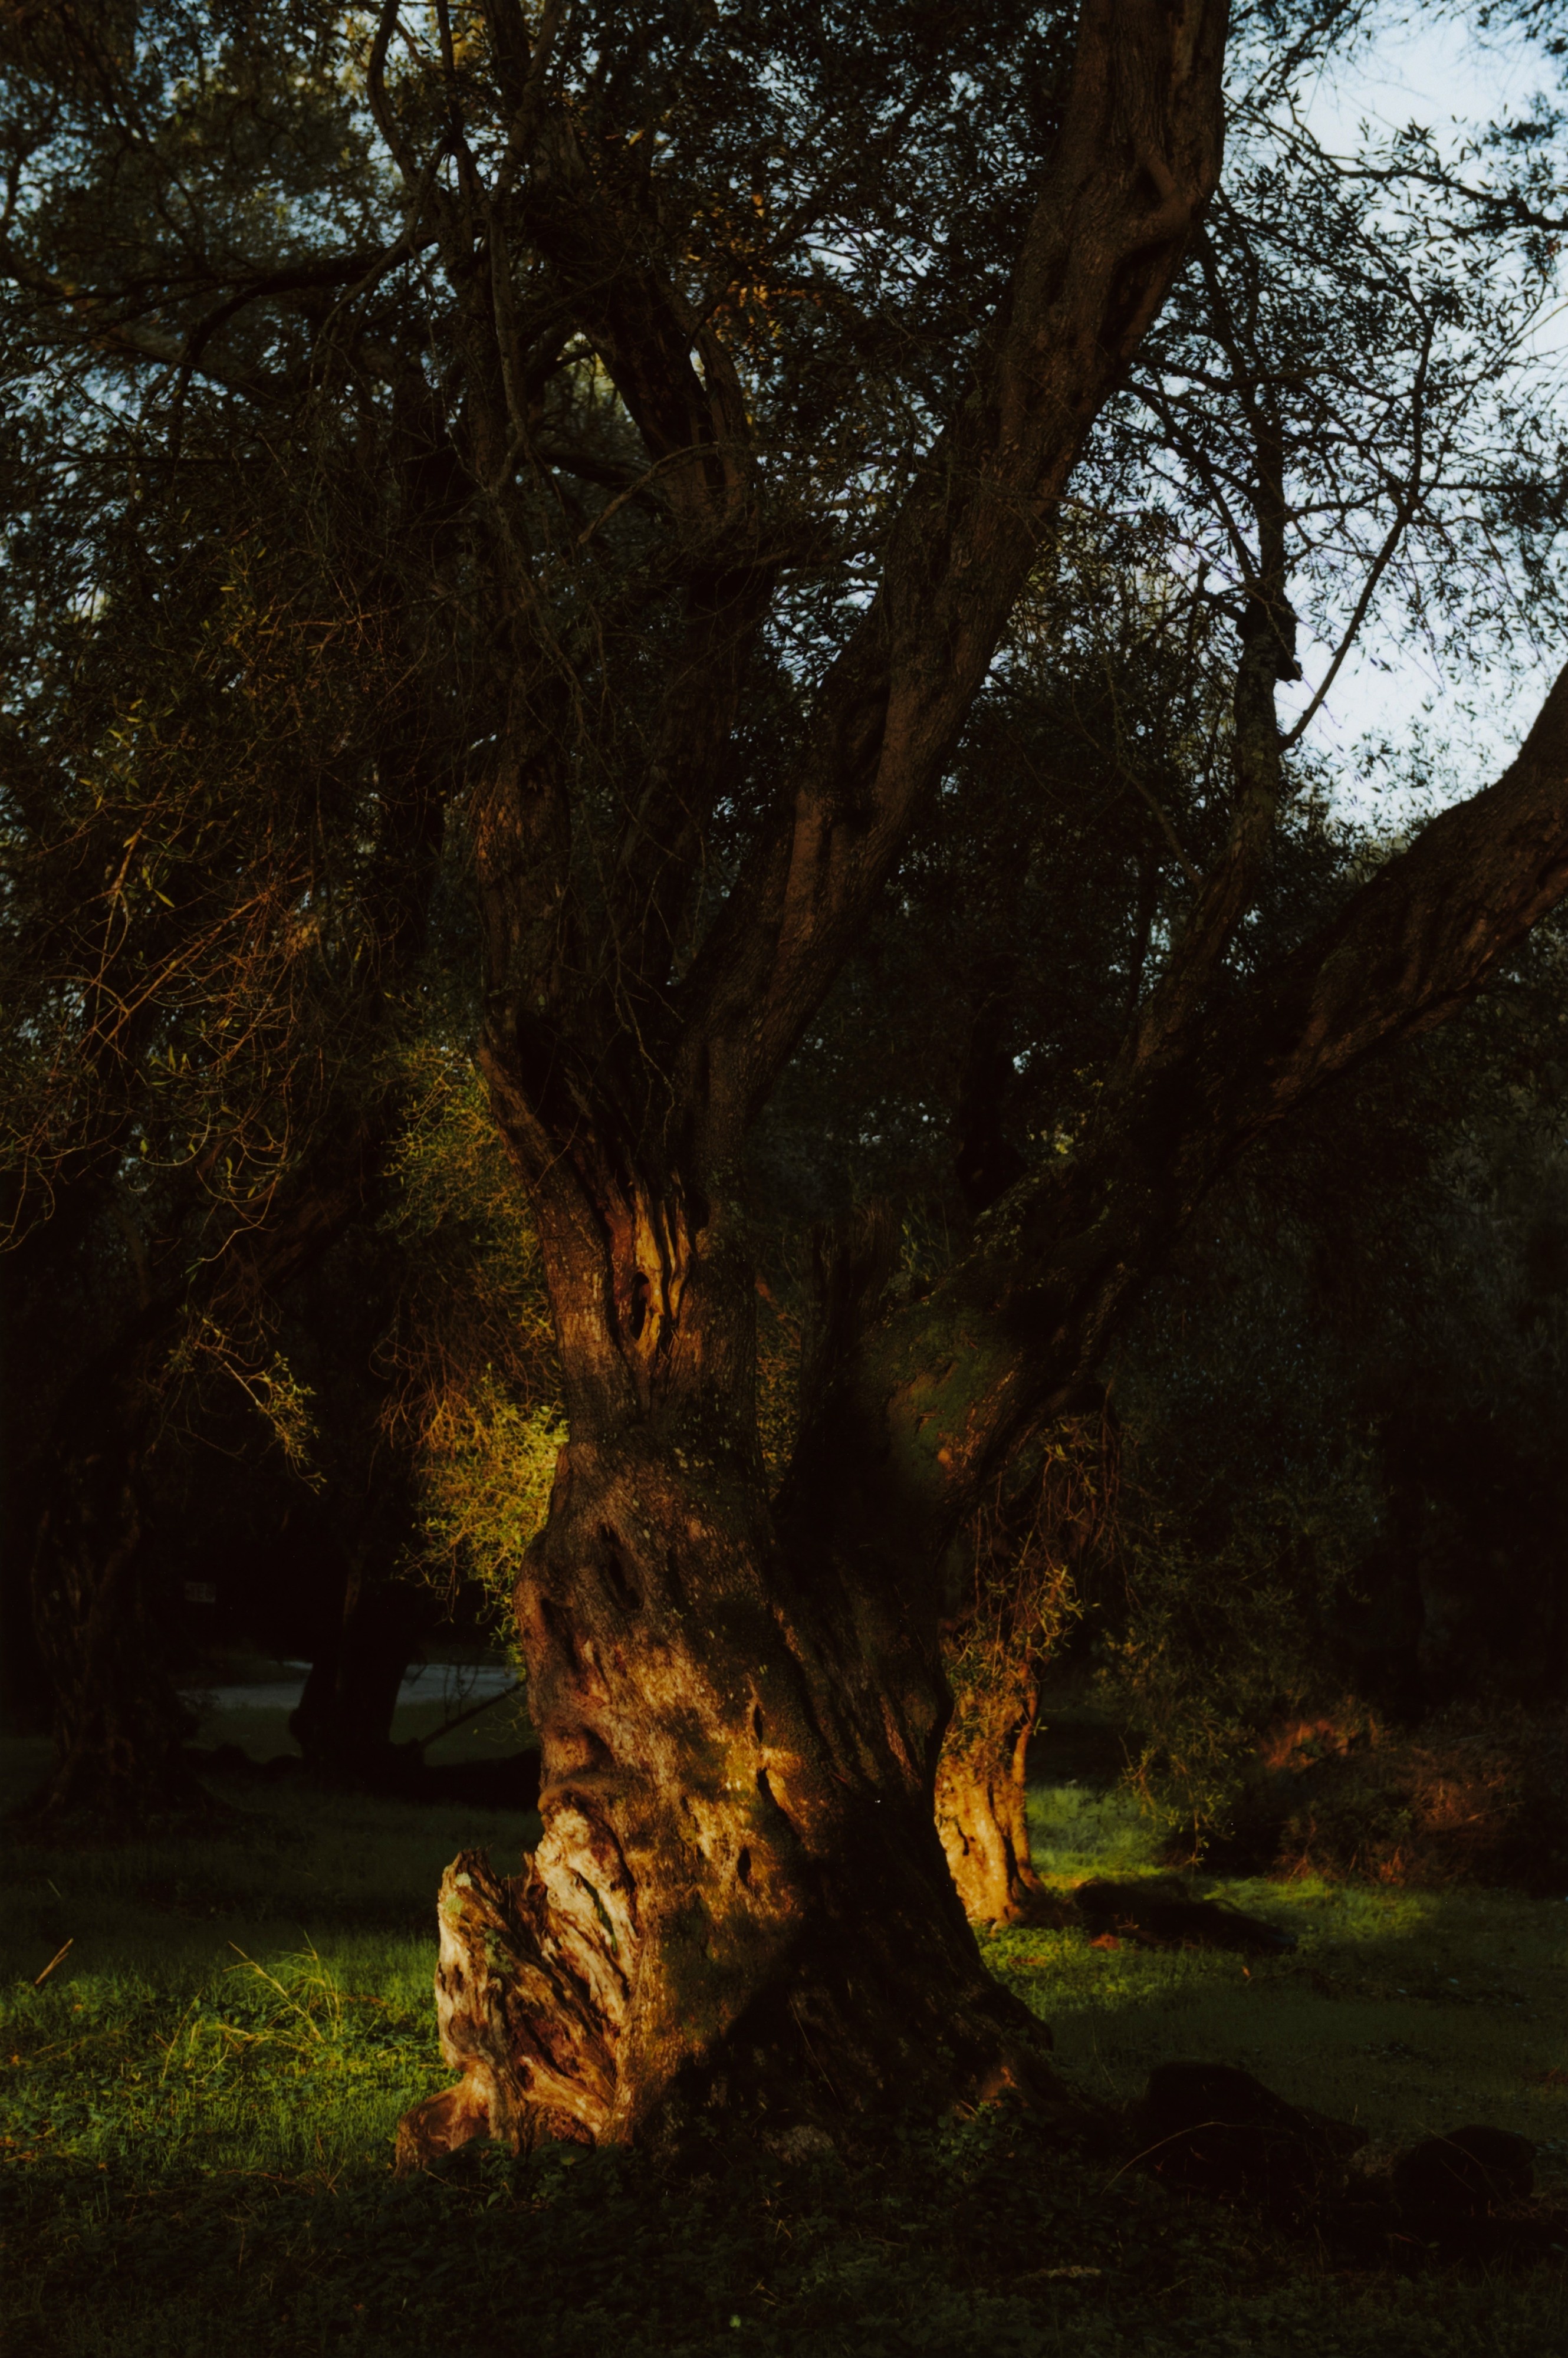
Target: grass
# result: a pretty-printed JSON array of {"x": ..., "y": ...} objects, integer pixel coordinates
[
  {"x": 1406, "y": 2011},
  {"x": 198, "y": 2103}
]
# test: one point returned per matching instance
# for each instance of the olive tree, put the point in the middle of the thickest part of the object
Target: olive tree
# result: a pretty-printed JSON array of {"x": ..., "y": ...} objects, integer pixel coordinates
[{"x": 756, "y": 349}]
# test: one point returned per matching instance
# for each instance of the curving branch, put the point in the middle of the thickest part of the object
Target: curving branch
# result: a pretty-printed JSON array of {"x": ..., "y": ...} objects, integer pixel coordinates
[{"x": 1136, "y": 161}]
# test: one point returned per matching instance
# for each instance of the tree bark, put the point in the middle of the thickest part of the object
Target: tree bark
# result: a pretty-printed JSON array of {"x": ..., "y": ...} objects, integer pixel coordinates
[
  {"x": 981, "y": 1798},
  {"x": 1019, "y": 1591},
  {"x": 739, "y": 1897}
]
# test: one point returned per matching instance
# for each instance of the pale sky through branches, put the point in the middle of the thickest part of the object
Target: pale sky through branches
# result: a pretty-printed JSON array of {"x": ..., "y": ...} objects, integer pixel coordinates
[{"x": 1437, "y": 72}]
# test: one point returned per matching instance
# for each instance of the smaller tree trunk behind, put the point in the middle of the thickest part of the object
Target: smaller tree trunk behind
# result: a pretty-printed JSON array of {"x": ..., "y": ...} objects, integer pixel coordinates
[
  {"x": 1016, "y": 1594},
  {"x": 980, "y": 1802}
]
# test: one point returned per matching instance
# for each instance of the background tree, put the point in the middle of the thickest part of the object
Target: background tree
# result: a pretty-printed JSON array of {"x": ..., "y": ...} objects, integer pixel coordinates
[
  {"x": 1341, "y": 1501},
  {"x": 224, "y": 804}
]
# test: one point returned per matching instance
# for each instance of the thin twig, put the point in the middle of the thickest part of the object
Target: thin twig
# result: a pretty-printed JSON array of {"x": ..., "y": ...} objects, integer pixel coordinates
[
  {"x": 472, "y": 1712},
  {"x": 53, "y": 1962}
]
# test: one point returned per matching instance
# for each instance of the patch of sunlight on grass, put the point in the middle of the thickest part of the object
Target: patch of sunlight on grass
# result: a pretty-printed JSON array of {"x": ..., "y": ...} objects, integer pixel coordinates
[
  {"x": 1409, "y": 2012},
  {"x": 254, "y": 1998},
  {"x": 275, "y": 2067},
  {"x": 1079, "y": 1829}
]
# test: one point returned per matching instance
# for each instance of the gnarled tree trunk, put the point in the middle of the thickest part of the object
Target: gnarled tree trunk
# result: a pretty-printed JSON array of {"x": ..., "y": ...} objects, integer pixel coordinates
[
  {"x": 739, "y": 1895},
  {"x": 740, "y": 1888}
]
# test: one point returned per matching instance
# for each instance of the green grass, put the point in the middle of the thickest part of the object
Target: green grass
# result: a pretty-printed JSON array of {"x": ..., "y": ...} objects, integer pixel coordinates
[
  {"x": 1406, "y": 2011},
  {"x": 200, "y": 2103}
]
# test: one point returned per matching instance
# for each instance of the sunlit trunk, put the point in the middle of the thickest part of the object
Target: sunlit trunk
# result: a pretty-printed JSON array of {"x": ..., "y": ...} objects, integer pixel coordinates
[
  {"x": 981, "y": 1796},
  {"x": 1013, "y": 1593},
  {"x": 739, "y": 1899}
]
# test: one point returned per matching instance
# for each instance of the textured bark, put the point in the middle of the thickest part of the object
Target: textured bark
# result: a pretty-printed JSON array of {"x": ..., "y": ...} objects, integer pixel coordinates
[
  {"x": 981, "y": 1807},
  {"x": 739, "y": 1896},
  {"x": 1010, "y": 1588},
  {"x": 1136, "y": 160}
]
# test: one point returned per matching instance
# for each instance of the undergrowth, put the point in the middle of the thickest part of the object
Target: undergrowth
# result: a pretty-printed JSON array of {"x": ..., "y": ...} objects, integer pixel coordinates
[{"x": 198, "y": 2103}]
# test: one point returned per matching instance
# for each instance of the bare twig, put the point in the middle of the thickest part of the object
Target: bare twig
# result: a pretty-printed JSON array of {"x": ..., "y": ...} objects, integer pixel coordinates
[{"x": 472, "y": 1712}]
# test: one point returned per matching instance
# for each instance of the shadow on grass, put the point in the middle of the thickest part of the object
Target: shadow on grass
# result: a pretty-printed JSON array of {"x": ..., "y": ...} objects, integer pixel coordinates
[
  {"x": 196, "y": 2140},
  {"x": 1405, "y": 2011}
]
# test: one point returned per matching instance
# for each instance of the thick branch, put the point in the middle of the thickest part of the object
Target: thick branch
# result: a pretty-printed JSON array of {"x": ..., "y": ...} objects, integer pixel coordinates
[
  {"x": 1137, "y": 159},
  {"x": 632, "y": 314}
]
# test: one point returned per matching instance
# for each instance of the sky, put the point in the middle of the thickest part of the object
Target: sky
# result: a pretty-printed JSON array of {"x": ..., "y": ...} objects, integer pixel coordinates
[{"x": 1442, "y": 75}]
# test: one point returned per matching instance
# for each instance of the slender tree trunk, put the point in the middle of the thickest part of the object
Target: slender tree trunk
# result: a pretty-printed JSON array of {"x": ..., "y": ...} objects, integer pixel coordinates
[
  {"x": 739, "y": 1897},
  {"x": 1015, "y": 1593}
]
